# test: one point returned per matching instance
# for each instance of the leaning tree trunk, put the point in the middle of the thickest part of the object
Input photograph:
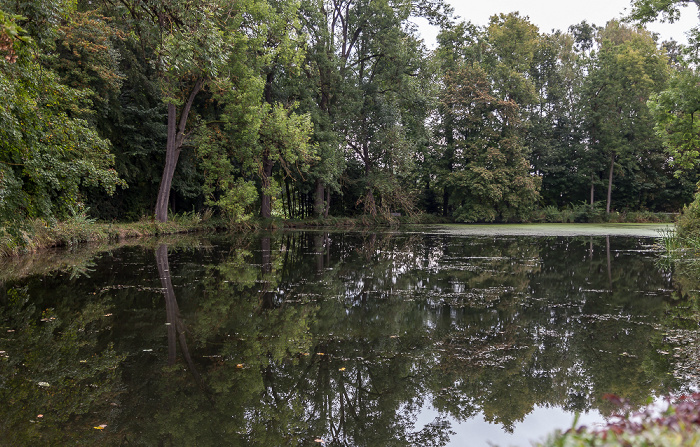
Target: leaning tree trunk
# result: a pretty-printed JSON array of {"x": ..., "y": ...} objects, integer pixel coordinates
[
  {"x": 176, "y": 327},
  {"x": 610, "y": 182},
  {"x": 176, "y": 136}
]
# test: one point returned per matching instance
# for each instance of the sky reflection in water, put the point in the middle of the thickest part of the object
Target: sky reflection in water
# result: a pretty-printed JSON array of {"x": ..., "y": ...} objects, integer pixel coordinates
[{"x": 350, "y": 338}]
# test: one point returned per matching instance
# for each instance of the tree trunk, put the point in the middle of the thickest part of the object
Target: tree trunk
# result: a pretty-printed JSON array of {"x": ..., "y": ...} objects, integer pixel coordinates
[
  {"x": 176, "y": 327},
  {"x": 610, "y": 181},
  {"x": 289, "y": 199},
  {"x": 176, "y": 136},
  {"x": 592, "y": 190},
  {"x": 445, "y": 200},
  {"x": 318, "y": 198},
  {"x": 266, "y": 207},
  {"x": 328, "y": 203}
]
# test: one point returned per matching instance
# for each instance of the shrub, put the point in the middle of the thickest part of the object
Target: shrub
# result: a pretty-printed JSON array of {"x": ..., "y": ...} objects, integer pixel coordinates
[{"x": 677, "y": 426}]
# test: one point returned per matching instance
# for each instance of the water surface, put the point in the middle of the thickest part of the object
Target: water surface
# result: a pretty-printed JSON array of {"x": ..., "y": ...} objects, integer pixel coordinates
[{"x": 353, "y": 339}]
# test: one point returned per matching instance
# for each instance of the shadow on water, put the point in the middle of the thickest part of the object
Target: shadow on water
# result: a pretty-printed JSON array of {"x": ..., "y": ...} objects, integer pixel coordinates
[{"x": 315, "y": 338}]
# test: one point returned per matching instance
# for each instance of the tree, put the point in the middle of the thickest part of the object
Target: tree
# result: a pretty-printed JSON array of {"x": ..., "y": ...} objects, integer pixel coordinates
[
  {"x": 47, "y": 152},
  {"x": 555, "y": 133},
  {"x": 366, "y": 92},
  {"x": 485, "y": 95},
  {"x": 190, "y": 41},
  {"x": 491, "y": 179},
  {"x": 646, "y": 11},
  {"x": 676, "y": 110},
  {"x": 257, "y": 127},
  {"x": 626, "y": 71}
]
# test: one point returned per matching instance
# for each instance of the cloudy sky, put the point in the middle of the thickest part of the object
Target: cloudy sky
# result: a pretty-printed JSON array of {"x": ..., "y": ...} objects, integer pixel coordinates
[{"x": 560, "y": 14}]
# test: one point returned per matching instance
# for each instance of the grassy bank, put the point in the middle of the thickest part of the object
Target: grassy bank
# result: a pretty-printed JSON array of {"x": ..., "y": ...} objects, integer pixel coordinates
[
  {"x": 31, "y": 236},
  {"x": 36, "y": 235}
]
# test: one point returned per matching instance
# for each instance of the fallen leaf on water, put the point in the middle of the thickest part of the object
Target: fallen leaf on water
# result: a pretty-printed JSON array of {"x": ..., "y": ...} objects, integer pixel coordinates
[
  {"x": 108, "y": 315},
  {"x": 44, "y": 384},
  {"x": 318, "y": 440},
  {"x": 320, "y": 353},
  {"x": 40, "y": 415},
  {"x": 341, "y": 369},
  {"x": 100, "y": 427},
  {"x": 83, "y": 361},
  {"x": 240, "y": 365}
]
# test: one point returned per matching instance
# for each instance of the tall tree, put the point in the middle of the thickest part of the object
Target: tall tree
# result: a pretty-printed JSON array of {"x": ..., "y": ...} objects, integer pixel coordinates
[
  {"x": 259, "y": 129},
  {"x": 487, "y": 90},
  {"x": 627, "y": 69},
  {"x": 555, "y": 132},
  {"x": 189, "y": 40},
  {"x": 366, "y": 67}
]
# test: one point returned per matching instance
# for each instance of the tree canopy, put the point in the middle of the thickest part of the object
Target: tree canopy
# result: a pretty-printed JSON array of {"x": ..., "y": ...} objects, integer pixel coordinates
[{"x": 296, "y": 109}]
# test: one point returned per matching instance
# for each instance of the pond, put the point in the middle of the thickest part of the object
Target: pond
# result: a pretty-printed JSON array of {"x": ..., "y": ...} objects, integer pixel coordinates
[{"x": 438, "y": 336}]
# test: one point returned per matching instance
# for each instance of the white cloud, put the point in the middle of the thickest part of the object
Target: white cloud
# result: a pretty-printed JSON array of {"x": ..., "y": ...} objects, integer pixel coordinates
[{"x": 553, "y": 14}]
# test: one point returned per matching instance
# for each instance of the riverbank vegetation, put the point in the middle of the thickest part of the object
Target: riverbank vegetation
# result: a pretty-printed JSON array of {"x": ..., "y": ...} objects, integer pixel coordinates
[
  {"x": 134, "y": 111},
  {"x": 676, "y": 425}
]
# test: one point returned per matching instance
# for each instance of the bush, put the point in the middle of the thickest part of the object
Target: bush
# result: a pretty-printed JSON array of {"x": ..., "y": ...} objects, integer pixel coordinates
[
  {"x": 677, "y": 426},
  {"x": 688, "y": 224}
]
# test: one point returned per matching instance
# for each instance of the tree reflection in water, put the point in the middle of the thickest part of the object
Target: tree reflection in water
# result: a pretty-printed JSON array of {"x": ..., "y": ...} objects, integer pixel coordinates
[{"x": 344, "y": 337}]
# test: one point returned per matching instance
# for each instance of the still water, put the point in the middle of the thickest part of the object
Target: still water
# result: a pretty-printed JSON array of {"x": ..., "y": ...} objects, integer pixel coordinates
[{"x": 336, "y": 339}]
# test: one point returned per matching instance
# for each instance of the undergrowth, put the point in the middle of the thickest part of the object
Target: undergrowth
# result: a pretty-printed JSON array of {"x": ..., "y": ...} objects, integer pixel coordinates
[{"x": 584, "y": 213}]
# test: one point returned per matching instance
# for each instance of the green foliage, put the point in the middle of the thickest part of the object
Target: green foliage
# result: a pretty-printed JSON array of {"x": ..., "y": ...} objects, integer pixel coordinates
[
  {"x": 676, "y": 426},
  {"x": 300, "y": 105},
  {"x": 676, "y": 110},
  {"x": 490, "y": 176},
  {"x": 627, "y": 69},
  {"x": 46, "y": 154},
  {"x": 688, "y": 224}
]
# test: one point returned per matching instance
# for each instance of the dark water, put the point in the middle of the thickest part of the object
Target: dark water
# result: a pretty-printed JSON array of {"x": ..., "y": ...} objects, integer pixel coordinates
[{"x": 352, "y": 339}]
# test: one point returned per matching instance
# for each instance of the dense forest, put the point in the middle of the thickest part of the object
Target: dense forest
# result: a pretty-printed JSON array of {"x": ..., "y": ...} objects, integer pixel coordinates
[{"x": 120, "y": 109}]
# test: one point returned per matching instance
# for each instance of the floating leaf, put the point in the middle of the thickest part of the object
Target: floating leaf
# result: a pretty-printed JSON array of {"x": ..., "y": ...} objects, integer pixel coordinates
[
  {"x": 100, "y": 427},
  {"x": 44, "y": 384},
  {"x": 341, "y": 369}
]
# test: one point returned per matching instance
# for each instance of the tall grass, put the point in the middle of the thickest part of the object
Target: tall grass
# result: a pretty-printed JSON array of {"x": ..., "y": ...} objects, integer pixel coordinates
[{"x": 30, "y": 236}]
